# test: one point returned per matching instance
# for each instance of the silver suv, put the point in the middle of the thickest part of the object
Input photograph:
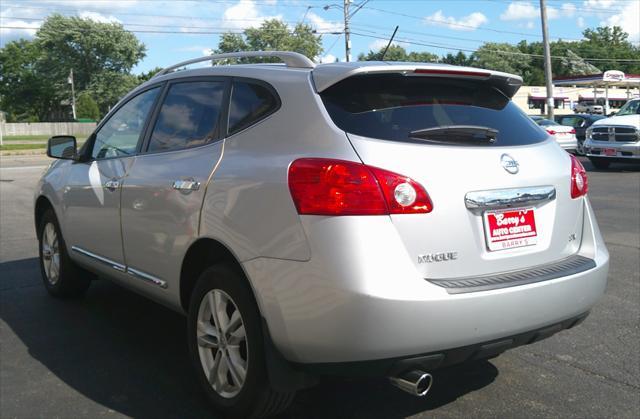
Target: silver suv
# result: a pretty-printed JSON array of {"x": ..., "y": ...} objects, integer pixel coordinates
[{"x": 370, "y": 218}]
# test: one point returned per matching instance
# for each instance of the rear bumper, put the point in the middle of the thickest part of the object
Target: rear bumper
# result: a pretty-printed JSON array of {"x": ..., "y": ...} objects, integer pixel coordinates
[{"x": 359, "y": 301}]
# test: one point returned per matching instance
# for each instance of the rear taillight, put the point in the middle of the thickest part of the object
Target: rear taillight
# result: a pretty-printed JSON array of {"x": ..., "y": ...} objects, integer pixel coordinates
[
  {"x": 573, "y": 131},
  {"x": 579, "y": 181},
  {"x": 551, "y": 132},
  {"x": 338, "y": 187}
]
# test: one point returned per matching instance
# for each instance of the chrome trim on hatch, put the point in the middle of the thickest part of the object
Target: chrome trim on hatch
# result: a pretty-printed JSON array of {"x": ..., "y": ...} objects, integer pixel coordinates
[
  {"x": 115, "y": 265},
  {"x": 505, "y": 198}
]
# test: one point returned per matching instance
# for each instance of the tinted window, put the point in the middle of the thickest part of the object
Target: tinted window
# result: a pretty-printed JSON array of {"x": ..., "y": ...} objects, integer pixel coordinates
[
  {"x": 119, "y": 135},
  {"x": 630, "y": 108},
  {"x": 189, "y": 116},
  {"x": 250, "y": 102},
  {"x": 391, "y": 106}
]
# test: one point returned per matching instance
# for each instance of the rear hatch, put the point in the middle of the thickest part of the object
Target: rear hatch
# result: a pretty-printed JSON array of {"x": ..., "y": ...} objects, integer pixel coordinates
[{"x": 466, "y": 143}]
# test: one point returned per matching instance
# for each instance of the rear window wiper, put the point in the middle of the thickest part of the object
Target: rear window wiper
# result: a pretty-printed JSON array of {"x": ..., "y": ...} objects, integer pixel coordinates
[{"x": 456, "y": 134}]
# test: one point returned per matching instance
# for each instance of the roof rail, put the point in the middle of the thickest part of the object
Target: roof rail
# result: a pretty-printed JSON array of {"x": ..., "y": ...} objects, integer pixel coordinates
[{"x": 291, "y": 59}]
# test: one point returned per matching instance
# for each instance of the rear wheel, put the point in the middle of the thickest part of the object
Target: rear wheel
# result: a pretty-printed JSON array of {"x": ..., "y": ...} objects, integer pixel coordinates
[
  {"x": 62, "y": 278},
  {"x": 599, "y": 163},
  {"x": 226, "y": 345}
]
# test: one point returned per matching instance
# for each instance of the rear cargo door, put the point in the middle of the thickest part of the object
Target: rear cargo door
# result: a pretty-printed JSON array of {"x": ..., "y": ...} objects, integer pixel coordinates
[{"x": 500, "y": 203}]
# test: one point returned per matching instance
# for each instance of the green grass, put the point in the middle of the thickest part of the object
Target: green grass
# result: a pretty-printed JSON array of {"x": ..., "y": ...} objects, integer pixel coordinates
[
  {"x": 36, "y": 146},
  {"x": 22, "y": 146},
  {"x": 40, "y": 138}
]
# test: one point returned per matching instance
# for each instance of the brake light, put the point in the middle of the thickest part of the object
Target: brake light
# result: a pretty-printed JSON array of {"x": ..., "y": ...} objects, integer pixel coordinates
[
  {"x": 552, "y": 132},
  {"x": 579, "y": 181},
  {"x": 444, "y": 72},
  {"x": 337, "y": 187},
  {"x": 573, "y": 131}
]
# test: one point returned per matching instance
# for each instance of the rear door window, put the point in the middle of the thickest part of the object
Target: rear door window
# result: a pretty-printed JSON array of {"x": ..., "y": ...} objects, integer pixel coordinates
[
  {"x": 250, "y": 103},
  {"x": 189, "y": 117},
  {"x": 391, "y": 106}
]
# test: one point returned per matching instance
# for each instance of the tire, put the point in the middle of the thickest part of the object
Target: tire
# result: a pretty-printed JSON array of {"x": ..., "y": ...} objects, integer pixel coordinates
[
  {"x": 580, "y": 148},
  {"x": 61, "y": 276},
  {"x": 253, "y": 396},
  {"x": 599, "y": 163}
]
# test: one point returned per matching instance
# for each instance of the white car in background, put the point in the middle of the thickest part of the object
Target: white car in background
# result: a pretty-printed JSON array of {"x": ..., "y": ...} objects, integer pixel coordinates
[
  {"x": 589, "y": 107},
  {"x": 564, "y": 135}
]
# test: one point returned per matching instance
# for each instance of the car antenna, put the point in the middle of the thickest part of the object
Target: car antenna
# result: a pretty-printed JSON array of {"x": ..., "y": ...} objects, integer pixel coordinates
[{"x": 389, "y": 44}]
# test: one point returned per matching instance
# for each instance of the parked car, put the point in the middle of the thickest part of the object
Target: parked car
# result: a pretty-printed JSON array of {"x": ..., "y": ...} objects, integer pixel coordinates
[
  {"x": 565, "y": 136},
  {"x": 588, "y": 106},
  {"x": 615, "y": 139},
  {"x": 580, "y": 123},
  {"x": 346, "y": 218}
]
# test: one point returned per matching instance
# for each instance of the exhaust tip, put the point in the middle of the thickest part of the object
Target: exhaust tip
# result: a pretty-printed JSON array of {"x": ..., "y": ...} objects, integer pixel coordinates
[{"x": 416, "y": 382}]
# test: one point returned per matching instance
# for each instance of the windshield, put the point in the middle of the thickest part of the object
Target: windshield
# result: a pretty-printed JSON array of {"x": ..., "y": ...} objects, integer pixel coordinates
[
  {"x": 546, "y": 122},
  {"x": 630, "y": 108},
  {"x": 393, "y": 106}
]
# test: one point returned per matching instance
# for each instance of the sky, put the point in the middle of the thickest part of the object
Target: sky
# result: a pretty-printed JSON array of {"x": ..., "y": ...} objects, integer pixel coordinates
[{"x": 178, "y": 30}]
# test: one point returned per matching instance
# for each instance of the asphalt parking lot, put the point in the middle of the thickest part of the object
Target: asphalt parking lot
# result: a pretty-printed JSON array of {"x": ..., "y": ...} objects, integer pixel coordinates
[{"x": 115, "y": 354}]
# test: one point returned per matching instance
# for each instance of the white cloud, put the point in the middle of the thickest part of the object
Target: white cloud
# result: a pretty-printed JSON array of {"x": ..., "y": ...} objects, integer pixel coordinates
[
  {"x": 628, "y": 19},
  {"x": 580, "y": 22},
  {"x": 329, "y": 58},
  {"x": 207, "y": 51},
  {"x": 568, "y": 9},
  {"x": 27, "y": 28},
  {"x": 466, "y": 23},
  {"x": 519, "y": 10},
  {"x": 98, "y": 17},
  {"x": 244, "y": 14},
  {"x": 322, "y": 25},
  {"x": 525, "y": 10},
  {"x": 601, "y": 4}
]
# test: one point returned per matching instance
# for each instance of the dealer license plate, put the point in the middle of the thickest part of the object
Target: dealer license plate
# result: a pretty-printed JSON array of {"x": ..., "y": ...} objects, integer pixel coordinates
[{"x": 507, "y": 229}]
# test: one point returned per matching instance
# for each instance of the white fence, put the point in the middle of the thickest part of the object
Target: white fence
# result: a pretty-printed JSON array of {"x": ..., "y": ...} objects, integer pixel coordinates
[{"x": 47, "y": 128}]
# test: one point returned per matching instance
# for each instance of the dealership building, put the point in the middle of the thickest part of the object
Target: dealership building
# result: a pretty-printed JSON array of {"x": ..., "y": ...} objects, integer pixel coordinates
[{"x": 611, "y": 89}]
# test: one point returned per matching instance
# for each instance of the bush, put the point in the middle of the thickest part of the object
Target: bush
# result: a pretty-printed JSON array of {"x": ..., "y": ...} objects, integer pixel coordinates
[{"x": 86, "y": 107}]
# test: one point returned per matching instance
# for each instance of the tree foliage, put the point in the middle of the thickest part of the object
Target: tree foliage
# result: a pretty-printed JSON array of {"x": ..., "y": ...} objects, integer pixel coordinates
[
  {"x": 398, "y": 53},
  {"x": 272, "y": 35},
  {"x": 34, "y": 76},
  {"x": 86, "y": 107}
]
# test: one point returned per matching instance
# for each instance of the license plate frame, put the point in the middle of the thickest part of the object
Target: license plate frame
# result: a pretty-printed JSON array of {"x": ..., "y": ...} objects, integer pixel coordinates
[
  {"x": 516, "y": 228},
  {"x": 609, "y": 152}
]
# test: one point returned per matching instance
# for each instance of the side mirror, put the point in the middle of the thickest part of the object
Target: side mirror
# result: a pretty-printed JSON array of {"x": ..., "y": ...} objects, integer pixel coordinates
[{"x": 62, "y": 147}]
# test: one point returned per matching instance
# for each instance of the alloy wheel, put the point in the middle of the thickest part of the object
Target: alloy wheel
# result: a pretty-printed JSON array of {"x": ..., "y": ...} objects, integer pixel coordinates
[
  {"x": 51, "y": 253},
  {"x": 222, "y": 343}
]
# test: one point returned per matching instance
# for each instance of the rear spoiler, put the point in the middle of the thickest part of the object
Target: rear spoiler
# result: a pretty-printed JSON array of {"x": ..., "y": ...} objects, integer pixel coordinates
[{"x": 325, "y": 76}]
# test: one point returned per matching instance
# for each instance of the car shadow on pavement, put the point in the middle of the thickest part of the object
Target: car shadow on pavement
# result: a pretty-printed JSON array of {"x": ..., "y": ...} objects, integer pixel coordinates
[{"x": 129, "y": 355}]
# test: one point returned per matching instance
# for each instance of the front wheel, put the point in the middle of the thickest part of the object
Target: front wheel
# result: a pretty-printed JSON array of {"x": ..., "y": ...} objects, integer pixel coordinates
[
  {"x": 61, "y": 276},
  {"x": 226, "y": 345},
  {"x": 599, "y": 163}
]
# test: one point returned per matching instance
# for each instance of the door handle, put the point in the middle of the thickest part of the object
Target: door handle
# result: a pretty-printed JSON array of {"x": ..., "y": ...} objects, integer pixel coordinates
[
  {"x": 186, "y": 185},
  {"x": 112, "y": 184}
]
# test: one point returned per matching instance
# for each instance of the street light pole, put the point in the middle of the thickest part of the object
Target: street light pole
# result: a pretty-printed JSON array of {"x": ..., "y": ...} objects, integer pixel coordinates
[
  {"x": 347, "y": 31},
  {"x": 547, "y": 59}
]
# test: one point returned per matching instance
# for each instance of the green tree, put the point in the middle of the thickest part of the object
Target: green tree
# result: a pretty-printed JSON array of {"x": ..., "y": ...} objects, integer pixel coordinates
[
  {"x": 459, "y": 59},
  {"x": 398, "y": 53},
  {"x": 34, "y": 74},
  {"x": 25, "y": 93},
  {"x": 501, "y": 57},
  {"x": 143, "y": 77},
  {"x": 86, "y": 107},
  {"x": 272, "y": 35}
]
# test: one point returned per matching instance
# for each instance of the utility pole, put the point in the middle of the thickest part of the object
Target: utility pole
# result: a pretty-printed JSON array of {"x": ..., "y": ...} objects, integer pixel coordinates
[
  {"x": 547, "y": 59},
  {"x": 347, "y": 31},
  {"x": 73, "y": 94}
]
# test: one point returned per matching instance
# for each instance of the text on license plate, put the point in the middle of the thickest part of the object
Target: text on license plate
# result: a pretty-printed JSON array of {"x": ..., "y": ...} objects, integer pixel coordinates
[{"x": 506, "y": 229}]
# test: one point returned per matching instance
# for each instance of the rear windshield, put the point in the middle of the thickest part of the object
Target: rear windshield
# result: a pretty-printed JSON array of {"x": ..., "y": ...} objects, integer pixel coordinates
[{"x": 391, "y": 106}]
